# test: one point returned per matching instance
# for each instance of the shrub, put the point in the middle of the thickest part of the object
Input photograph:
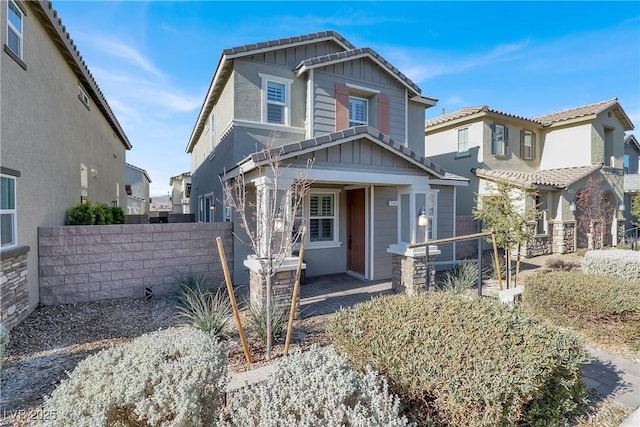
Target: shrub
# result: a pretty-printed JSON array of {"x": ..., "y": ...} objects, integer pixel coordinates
[
  {"x": 4, "y": 342},
  {"x": 102, "y": 215},
  {"x": 117, "y": 215},
  {"x": 171, "y": 377},
  {"x": 607, "y": 309},
  {"x": 258, "y": 318},
  {"x": 461, "y": 278},
  {"x": 463, "y": 362},
  {"x": 559, "y": 264},
  {"x": 316, "y": 388},
  {"x": 207, "y": 311},
  {"x": 82, "y": 214},
  {"x": 617, "y": 263}
]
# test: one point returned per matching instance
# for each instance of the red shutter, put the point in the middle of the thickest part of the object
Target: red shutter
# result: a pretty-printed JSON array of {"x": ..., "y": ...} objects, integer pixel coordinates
[
  {"x": 342, "y": 107},
  {"x": 383, "y": 113}
]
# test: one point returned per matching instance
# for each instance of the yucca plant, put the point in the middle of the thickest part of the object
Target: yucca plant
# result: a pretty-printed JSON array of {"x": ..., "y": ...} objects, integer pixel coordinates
[
  {"x": 461, "y": 278},
  {"x": 205, "y": 310},
  {"x": 258, "y": 313}
]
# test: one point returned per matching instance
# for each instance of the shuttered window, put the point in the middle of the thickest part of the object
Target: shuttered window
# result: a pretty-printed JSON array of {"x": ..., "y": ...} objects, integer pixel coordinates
[
  {"x": 358, "y": 111},
  {"x": 276, "y": 99},
  {"x": 14, "y": 28},
  {"x": 322, "y": 216},
  {"x": 527, "y": 144}
]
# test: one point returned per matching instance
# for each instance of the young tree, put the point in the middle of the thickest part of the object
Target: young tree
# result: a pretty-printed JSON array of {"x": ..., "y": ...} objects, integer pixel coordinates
[
  {"x": 269, "y": 222},
  {"x": 595, "y": 213},
  {"x": 505, "y": 214}
]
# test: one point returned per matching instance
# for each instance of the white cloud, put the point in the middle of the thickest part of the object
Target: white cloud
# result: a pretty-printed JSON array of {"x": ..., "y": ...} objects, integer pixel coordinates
[{"x": 121, "y": 50}]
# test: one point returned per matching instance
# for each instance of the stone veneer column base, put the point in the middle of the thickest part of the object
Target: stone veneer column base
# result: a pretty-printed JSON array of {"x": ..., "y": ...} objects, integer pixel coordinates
[
  {"x": 409, "y": 271},
  {"x": 282, "y": 286},
  {"x": 563, "y": 237},
  {"x": 14, "y": 287}
]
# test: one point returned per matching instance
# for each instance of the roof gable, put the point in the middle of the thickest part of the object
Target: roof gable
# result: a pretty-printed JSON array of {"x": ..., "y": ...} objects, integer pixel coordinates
[
  {"x": 551, "y": 178},
  {"x": 469, "y": 113},
  {"x": 631, "y": 140}
]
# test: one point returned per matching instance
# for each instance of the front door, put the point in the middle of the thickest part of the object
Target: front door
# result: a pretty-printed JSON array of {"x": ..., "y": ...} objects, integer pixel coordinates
[{"x": 356, "y": 230}]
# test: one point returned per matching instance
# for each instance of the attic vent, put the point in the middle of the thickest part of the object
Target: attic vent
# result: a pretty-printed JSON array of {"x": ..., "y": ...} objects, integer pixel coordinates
[
  {"x": 82, "y": 96},
  {"x": 608, "y": 113},
  {"x": 187, "y": 192}
]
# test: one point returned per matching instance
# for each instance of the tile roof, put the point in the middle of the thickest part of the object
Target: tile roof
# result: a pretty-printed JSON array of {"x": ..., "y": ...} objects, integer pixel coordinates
[
  {"x": 469, "y": 111},
  {"x": 632, "y": 139},
  {"x": 62, "y": 39},
  {"x": 577, "y": 112},
  {"x": 558, "y": 178},
  {"x": 346, "y": 55},
  {"x": 632, "y": 183},
  {"x": 248, "y": 48},
  {"x": 290, "y": 150}
]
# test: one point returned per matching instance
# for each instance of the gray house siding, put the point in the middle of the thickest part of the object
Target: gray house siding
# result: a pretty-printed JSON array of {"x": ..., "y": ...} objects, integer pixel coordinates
[
  {"x": 361, "y": 72},
  {"x": 631, "y": 151},
  {"x": 385, "y": 226},
  {"x": 446, "y": 218},
  {"x": 415, "y": 128}
]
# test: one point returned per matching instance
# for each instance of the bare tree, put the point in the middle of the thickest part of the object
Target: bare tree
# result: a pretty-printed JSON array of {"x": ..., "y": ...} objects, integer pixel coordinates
[
  {"x": 270, "y": 223},
  {"x": 595, "y": 213}
]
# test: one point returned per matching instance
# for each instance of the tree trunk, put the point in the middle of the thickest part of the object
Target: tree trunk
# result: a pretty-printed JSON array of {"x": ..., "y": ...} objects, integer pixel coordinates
[{"x": 269, "y": 313}]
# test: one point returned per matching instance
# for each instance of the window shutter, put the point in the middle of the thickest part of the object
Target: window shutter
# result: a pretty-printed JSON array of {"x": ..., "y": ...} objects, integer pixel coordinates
[
  {"x": 522, "y": 153},
  {"x": 383, "y": 114},
  {"x": 493, "y": 138},
  {"x": 506, "y": 140},
  {"x": 342, "y": 107},
  {"x": 533, "y": 145}
]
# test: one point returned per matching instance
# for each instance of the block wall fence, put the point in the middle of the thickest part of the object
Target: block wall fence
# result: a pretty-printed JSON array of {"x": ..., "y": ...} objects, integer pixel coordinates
[{"x": 93, "y": 263}]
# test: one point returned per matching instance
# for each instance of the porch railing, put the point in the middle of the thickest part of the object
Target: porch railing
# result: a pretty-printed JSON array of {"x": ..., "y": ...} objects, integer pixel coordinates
[{"x": 632, "y": 238}]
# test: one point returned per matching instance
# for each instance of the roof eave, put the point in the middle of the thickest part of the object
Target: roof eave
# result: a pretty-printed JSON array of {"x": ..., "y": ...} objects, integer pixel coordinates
[
  {"x": 455, "y": 122},
  {"x": 424, "y": 100},
  {"x": 287, "y": 46}
]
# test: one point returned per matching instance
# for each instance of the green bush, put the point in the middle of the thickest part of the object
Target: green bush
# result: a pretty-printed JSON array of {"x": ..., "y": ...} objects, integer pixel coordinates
[
  {"x": 82, "y": 214},
  {"x": 607, "y": 309},
  {"x": 315, "y": 388},
  {"x": 172, "y": 377},
  {"x": 4, "y": 342},
  {"x": 117, "y": 215},
  {"x": 464, "y": 362},
  {"x": 616, "y": 263},
  {"x": 102, "y": 215},
  {"x": 205, "y": 310}
]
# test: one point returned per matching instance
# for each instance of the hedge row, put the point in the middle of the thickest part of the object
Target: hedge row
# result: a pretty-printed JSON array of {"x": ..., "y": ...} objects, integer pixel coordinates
[
  {"x": 607, "y": 309},
  {"x": 88, "y": 213},
  {"x": 462, "y": 362},
  {"x": 616, "y": 263}
]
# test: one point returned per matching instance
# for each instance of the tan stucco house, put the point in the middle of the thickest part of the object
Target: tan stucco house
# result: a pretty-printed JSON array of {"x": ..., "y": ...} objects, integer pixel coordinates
[
  {"x": 631, "y": 166},
  {"x": 359, "y": 119},
  {"x": 181, "y": 195},
  {"x": 60, "y": 142},
  {"x": 136, "y": 185},
  {"x": 553, "y": 155}
]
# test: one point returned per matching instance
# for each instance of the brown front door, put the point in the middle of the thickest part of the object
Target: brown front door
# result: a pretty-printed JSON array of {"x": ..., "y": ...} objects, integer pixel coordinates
[{"x": 356, "y": 230}]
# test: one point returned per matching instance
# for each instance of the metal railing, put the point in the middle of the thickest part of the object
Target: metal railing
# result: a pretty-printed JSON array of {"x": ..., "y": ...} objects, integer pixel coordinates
[{"x": 632, "y": 238}]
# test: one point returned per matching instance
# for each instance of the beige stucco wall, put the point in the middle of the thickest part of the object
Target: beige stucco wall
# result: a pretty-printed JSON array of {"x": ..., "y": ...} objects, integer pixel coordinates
[
  {"x": 566, "y": 147},
  {"x": 46, "y": 134}
]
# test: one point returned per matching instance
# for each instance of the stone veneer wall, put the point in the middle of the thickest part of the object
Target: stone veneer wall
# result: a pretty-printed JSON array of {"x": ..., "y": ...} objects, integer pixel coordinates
[
  {"x": 14, "y": 288},
  {"x": 564, "y": 237},
  {"x": 409, "y": 274},
  {"x": 541, "y": 245},
  {"x": 100, "y": 262},
  {"x": 282, "y": 290}
]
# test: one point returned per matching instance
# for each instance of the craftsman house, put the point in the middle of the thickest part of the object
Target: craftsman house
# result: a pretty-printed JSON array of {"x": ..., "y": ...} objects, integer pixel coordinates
[
  {"x": 357, "y": 117},
  {"x": 553, "y": 155}
]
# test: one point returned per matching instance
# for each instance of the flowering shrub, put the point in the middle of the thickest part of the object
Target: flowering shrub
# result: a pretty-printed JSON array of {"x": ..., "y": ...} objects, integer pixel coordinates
[
  {"x": 461, "y": 362},
  {"x": 618, "y": 263},
  {"x": 315, "y": 388},
  {"x": 172, "y": 377}
]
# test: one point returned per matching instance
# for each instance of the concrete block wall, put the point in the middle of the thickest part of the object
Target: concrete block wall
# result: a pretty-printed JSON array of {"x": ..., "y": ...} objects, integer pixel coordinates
[{"x": 99, "y": 262}]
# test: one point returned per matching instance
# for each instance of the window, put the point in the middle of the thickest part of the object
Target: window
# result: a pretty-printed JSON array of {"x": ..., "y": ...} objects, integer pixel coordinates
[
  {"x": 527, "y": 144},
  {"x": 82, "y": 96},
  {"x": 14, "y": 28},
  {"x": 275, "y": 100},
  {"x": 322, "y": 217},
  {"x": 358, "y": 111},
  {"x": 201, "y": 209},
  {"x": 499, "y": 138},
  {"x": 8, "y": 220},
  {"x": 463, "y": 141},
  {"x": 625, "y": 163},
  {"x": 541, "y": 223},
  {"x": 209, "y": 206},
  {"x": 410, "y": 229}
]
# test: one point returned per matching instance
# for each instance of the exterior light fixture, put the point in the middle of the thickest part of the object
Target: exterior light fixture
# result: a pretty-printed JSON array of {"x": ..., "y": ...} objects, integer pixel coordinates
[
  {"x": 621, "y": 207},
  {"x": 278, "y": 223},
  {"x": 572, "y": 206},
  {"x": 423, "y": 220}
]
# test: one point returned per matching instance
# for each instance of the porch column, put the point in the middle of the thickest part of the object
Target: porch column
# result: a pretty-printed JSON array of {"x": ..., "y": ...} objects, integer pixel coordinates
[{"x": 409, "y": 269}]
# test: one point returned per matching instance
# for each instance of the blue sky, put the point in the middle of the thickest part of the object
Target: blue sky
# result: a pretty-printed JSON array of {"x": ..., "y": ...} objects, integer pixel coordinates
[{"x": 154, "y": 60}]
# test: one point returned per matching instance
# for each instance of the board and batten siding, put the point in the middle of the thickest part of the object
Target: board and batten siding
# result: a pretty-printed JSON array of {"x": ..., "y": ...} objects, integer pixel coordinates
[
  {"x": 360, "y": 154},
  {"x": 385, "y": 226},
  {"x": 361, "y": 72}
]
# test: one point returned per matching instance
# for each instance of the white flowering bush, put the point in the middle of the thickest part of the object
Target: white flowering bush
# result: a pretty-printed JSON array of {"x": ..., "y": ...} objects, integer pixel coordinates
[
  {"x": 315, "y": 388},
  {"x": 4, "y": 341},
  {"x": 617, "y": 263},
  {"x": 174, "y": 377}
]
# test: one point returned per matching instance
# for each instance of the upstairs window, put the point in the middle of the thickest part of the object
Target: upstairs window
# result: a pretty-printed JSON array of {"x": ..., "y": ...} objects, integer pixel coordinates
[
  {"x": 541, "y": 223},
  {"x": 358, "y": 111},
  {"x": 14, "y": 28},
  {"x": 8, "y": 221},
  {"x": 499, "y": 139},
  {"x": 527, "y": 145},
  {"x": 463, "y": 141},
  {"x": 83, "y": 97},
  {"x": 275, "y": 100}
]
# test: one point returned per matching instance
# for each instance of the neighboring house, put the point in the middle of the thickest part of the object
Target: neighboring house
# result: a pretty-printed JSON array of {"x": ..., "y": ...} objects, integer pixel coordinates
[
  {"x": 554, "y": 155},
  {"x": 361, "y": 121},
  {"x": 136, "y": 185},
  {"x": 61, "y": 142},
  {"x": 631, "y": 166},
  {"x": 181, "y": 193}
]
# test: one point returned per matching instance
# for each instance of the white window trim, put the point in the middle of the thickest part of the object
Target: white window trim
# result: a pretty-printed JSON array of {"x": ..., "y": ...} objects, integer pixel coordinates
[
  {"x": 362, "y": 88},
  {"x": 359, "y": 122},
  {"x": 13, "y": 211},
  {"x": 413, "y": 222},
  {"x": 20, "y": 33},
  {"x": 287, "y": 97},
  {"x": 461, "y": 153},
  {"x": 201, "y": 208},
  {"x": 531, "y": 155},
  {"x": 335, "y": 243}
]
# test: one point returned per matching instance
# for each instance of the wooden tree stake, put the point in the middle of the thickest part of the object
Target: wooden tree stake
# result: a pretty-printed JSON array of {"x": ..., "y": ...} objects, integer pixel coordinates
[
  {"x": 296, "y": 290},
  {"x": 496, "y": 259}
]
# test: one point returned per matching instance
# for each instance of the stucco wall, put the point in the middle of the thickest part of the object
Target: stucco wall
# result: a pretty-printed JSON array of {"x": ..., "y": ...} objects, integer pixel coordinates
[
  {"x": 566, "y": 147},
  {"x": 47, "y": 134},
  {"x": 93, "y": 263}
]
